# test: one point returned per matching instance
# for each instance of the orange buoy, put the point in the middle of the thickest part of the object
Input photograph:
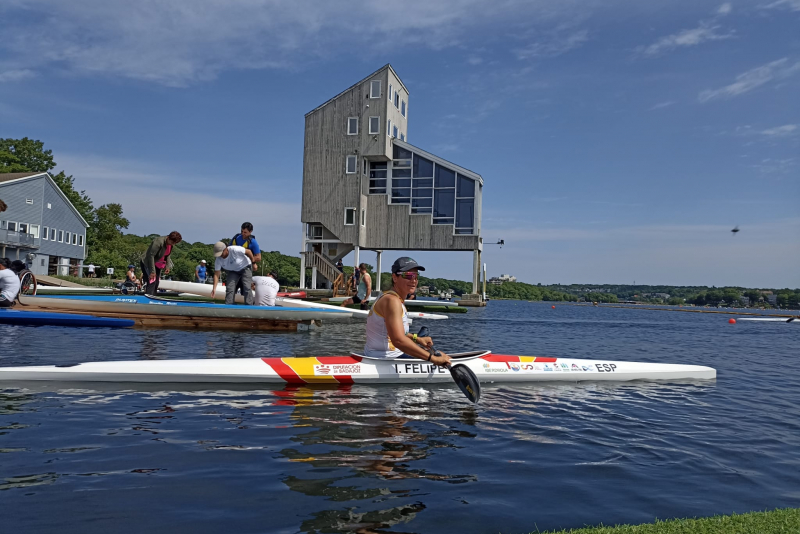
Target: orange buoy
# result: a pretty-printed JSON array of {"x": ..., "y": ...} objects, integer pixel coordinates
[
  {"x": 731, "y": 321},
  {"x": 553, "y": 307}
]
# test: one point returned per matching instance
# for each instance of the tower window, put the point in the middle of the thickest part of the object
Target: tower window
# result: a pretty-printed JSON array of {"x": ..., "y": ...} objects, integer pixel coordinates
[
  {"x": 374, "y": 125},
  {"x": 352, "y": 126},
  {"x": 375, "y": 89},
  {"x": 349, "y": 216},
  {"x": 403, "y": 108},
  {"x": 352, "y": 164}
]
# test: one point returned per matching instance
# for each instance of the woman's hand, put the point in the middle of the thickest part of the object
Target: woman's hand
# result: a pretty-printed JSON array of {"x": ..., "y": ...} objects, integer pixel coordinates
[
  {"x": 152, "y": 279},
  {"x": 426, "y": 341},
  {"x": 440, "y": 360}
]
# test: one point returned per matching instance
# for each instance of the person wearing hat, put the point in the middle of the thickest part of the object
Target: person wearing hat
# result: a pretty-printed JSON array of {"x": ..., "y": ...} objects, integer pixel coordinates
[
  {"x": 237, "y": 263},
  {"x": 387, "y": 323},
  {"x": 200, "y": 272},
  {"x": 130, "y": 276},
  {"x": 265, "y": 289}
]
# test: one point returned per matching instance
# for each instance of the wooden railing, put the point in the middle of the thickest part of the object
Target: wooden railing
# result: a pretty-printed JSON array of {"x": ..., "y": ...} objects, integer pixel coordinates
[{"x": 324, "y": 266}]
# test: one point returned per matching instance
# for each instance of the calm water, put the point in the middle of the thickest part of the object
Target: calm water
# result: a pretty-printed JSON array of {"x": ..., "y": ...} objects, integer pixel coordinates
[{"x": 388, "y": 459}]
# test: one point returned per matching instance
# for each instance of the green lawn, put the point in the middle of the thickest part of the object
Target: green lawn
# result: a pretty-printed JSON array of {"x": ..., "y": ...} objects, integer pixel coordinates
[{"x": 784, "y": 521}]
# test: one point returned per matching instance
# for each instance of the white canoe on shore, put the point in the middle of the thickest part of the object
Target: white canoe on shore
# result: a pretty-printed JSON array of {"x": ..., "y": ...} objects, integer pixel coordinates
[{"x": 357, "y": 370}]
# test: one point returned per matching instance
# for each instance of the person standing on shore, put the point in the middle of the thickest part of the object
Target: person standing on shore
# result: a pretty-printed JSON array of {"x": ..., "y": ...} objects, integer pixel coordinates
[
  {"x": 157, "y": 260},
  {"x": 90, "y": 270},
  {"x": 200, "y": 272},
  {"x": 238, "y": 264},
  {"x": 387, "y": 323},
  {"x": 266, "y": 289},
  {"x": 364, "y": 289},
  {"x": 9, "y": 284}
]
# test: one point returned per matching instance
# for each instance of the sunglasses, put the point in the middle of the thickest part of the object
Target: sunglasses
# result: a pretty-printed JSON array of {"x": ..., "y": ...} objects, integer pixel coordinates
[{"x": 408, "y": 275}]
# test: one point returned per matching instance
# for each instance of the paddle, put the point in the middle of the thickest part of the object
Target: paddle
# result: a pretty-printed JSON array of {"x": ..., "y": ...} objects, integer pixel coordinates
[{"x": 463, "y": 376}]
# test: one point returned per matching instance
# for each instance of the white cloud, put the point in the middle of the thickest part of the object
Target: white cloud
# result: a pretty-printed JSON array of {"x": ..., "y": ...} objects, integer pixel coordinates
[
  {"x": 752, "y": 79},
  {"x": 692, "y": 37},
  {"x": 16, "y": 75},
  {"x": 474, "y": 60},
  {"x": 724, "y": 9},
  {"x": 791, "y": 5},
  {"x": 662, "y": 105},
  {"x": 780, "y": 131},
  {"x": 554, "y": 45},
  {"x": 179, "y": 43}
]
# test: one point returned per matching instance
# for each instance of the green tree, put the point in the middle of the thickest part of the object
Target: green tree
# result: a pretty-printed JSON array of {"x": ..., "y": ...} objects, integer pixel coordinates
[{"x": 25, "y": 155}]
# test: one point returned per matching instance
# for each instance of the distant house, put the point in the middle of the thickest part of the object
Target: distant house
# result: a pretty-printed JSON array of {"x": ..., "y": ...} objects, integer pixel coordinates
[
  {"x": 498, "y": 280},
  {"x": 745, "y": 301},
  {"x": 41, "y": 226},
  {"x": 772, "y": 299}
]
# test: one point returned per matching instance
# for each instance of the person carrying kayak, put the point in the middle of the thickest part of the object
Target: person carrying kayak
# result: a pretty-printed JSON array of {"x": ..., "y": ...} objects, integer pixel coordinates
[
  {"x": 237, "y": 263},
  {"x": 9, "y": 284},
  {"x": 387, "y": 323}
]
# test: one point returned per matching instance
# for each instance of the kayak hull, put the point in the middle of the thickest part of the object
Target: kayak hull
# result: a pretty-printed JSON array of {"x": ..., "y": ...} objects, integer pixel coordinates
[
  {"x": 356, "y": 370},
  {"x": 30, "y": 318},
  {"x": 204, "y": 290}
]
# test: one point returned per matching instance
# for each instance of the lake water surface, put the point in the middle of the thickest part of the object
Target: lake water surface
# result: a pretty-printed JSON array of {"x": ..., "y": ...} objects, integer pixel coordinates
[{"x": 122, "y": 458}]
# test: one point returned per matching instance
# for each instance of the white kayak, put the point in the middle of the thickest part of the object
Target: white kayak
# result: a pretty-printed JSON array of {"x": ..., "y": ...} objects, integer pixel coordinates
[
  {"x": 770, "y": 319},
  {"x": 356, "y": 369},
  {"x": 204, "y": 290},
  {"x": 295, "y": 303}
]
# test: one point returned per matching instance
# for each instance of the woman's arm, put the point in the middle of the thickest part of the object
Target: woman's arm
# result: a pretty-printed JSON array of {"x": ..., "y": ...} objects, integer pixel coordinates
[
  {"x": 150, "y": 257},
  {"x": 393, "y": 316}
]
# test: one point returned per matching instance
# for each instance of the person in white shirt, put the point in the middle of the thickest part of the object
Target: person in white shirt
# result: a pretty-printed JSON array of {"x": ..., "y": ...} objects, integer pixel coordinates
[
  {"x": 9, "y": 284},
  {"x": 238, "y": 264},
  {"x": 90, "y": 268},
  {"x": 266, "y": 289}
]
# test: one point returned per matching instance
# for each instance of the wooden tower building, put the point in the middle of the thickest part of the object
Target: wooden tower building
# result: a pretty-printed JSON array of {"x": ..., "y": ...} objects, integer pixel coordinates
[{"x": 365, "y": 187}]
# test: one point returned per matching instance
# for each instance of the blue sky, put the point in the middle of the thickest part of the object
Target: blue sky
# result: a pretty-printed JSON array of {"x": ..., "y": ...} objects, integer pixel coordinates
[{"x": 619, "y": 141}]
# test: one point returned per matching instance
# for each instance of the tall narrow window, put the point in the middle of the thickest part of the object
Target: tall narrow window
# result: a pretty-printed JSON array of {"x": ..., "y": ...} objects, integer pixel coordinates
[
  {"x": 402, "y": 136},
  {"x": 363, "y": 217},
  {"x": 23, "y": 228},
  {"x": 377, "y": 177},
  {"x": 80, "y": 240},
  {"x": 61, "y": 236},
  {"x": 52, "y": 234},
  {"x": 403, "y": 108},
  {"x": 34, "y": 231},
  {"x": 390, "y": 93},
  {"x": 364, "y": 167},
  {"x": 352, "y": 125},
  {"x": 349, "y": 216},
  {"x": 374, "y": 125},
  {"x": 389, "y": 127},
  {"x": 394, "y": 131},
  {"x": 350, "y": 168},
  {"x": 375, "y": 89},
  {"x": 396, "y": 99},
  {"x": 74, "y": 239},
  {"x": 66, "y": 238},
  {"x": 46, "y": 233}
]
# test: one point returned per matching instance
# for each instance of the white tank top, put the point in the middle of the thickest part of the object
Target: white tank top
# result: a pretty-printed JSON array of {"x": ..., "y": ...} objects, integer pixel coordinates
[{"x": 379, "y": 345}]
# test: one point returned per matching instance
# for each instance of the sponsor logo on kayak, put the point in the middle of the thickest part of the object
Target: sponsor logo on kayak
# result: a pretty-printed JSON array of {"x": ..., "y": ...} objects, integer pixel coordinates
[
  {"x": 538, "y": 367},
  {"x": 337, "y": 369},
  {"x": 547, "y": 367},
  {"x": 606, "y": 367},
  {"x": 575, "y": 367},
  {"x": 587, "y": 367},
  {"x": 516, "y": 367},
  {"x": 565, "y": 366},
  {"x": 132, "y": 301},
  {"x": 418, "y": 369}
]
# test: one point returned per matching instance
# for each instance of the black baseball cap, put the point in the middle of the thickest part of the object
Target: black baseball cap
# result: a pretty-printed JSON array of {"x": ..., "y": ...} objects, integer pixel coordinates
[{"x": 404, "y": 264}]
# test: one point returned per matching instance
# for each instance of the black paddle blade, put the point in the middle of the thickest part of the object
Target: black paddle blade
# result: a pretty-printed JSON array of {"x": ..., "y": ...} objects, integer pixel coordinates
[{"x": 467, "y": 382}]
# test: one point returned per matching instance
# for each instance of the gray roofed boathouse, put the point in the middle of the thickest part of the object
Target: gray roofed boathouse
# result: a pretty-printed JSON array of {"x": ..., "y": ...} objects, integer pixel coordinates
[{"x": 365, "y": 187}]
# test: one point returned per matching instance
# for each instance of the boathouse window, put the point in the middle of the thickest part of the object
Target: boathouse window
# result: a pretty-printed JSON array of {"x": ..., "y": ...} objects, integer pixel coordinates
[
  {"x": 389, "y": 127},
  {"x": 390, "y": 92},
  {"x": 401, "y": 176},
  {"x": 394, "y": 131},
  {"x": 12, "y": 226},
  {"x": 375, "y": 89},
  {"x": 61, "y": 236},
  {"x": 374, "y": 125},
  {"x": 28, "y": 201},
  {"x": 444, "y": 195},
  {"x": 403, "y": 108},
  {"x": 396, "y": 99},
  {"x": 402, "y": 136},
  {"x": 34, "y": 230},
  {"x": 46, "y": 233},
  {"x": 23, "y": 228},
  {"x": 377, "y": 177},
  {"x": 352, "y": 125},
  {"x": 363, "y": 217},
  {"x": 352, "y": 164},
  {"x": 80, "y": 240},
  {"x": 66, "y": 238},
  {"x": 52, "y": 234},
  {"x": 349, "y": 216},
  {"x": 74, "y": 239}
]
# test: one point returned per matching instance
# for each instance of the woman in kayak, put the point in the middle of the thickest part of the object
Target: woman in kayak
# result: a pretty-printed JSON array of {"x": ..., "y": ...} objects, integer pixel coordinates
[
  {"x": 387, "y": 323},
  {"x": 157, "y": 260}
]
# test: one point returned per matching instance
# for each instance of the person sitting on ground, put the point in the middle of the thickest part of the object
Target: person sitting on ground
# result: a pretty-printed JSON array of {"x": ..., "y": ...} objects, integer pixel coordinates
[
  {"x": 266, "y": 289},
  {"x": 364, "y": 289},
  {"x": 200, "y": 272},
  {"x": 237, "y": 263},
  {"x": 9, "y": 284},
  {"x": 131, "y": 276},
  {"x": 387, "y": 322}
]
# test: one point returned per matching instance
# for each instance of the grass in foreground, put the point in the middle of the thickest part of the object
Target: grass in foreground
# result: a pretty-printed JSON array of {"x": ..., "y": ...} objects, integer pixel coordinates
[{"x": 783, "y": 521}]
